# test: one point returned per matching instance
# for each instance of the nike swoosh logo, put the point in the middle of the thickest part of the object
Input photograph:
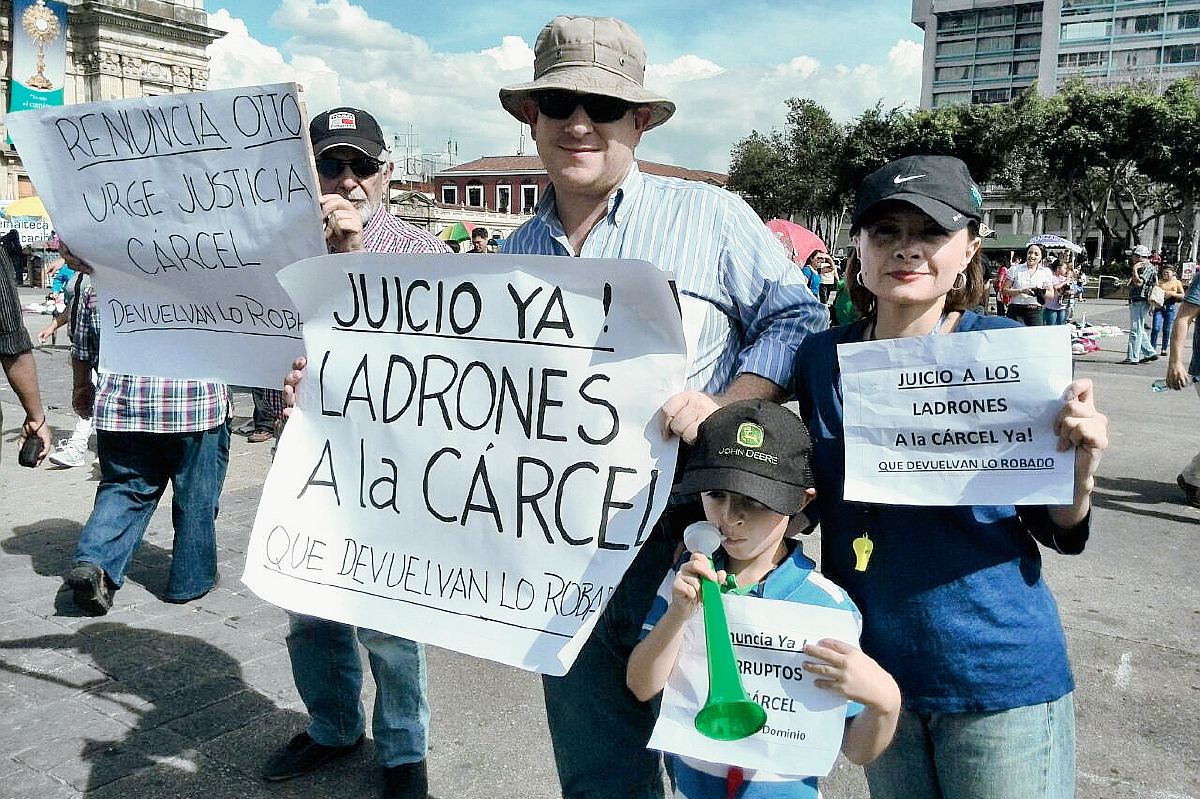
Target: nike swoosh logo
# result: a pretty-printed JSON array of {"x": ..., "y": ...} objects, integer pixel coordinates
[{"x": 898, "y": 180}]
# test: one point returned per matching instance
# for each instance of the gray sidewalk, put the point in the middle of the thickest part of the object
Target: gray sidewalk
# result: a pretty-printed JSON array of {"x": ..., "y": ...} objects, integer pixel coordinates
[{"x": 157, "y": 700}]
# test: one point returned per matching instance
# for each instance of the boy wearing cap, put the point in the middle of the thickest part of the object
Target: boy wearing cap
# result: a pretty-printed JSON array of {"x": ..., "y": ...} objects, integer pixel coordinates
[{"x": 751, "y": 468}]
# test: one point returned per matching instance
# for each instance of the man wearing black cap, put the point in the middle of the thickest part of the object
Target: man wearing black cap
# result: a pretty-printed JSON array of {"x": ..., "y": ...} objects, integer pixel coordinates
[
  {"x": 747, "y": 310},
  {"x": 352, "y": 162}
]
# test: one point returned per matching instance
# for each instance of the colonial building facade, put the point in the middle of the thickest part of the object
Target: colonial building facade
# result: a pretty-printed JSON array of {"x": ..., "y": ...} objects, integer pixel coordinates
[{"x": 116, "y": 49}]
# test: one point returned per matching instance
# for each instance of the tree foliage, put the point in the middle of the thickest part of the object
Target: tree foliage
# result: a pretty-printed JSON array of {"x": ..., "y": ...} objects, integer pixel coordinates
[{"x": 1111, "y": 159}]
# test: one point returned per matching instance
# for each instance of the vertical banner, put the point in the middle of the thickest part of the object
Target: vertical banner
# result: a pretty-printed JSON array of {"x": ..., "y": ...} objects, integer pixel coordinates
[
  {"x": 477, "y": 454},
  {"x": 39, "y": 56},
  {"x": 186, "y": 205}
]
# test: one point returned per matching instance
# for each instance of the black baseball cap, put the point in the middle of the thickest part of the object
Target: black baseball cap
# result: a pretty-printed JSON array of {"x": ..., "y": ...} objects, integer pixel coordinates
[
  {"x": 346, "y": 127},
  {"x": 755, "y": 448},
  {"x": 939, "y": 185}
]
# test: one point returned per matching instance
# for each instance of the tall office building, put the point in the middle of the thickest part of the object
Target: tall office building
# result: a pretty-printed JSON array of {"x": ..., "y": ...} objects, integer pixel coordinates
[{"x": 988, "y": 51}]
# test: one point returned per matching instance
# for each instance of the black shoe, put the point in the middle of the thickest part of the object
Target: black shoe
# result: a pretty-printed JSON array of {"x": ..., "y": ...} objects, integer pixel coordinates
[
  {"x": 406, "y": 781},
  {"x": 302, "y": 755},
  {"x": 1148, "y": 359},
  {"x": 90, "y": 586},
  {"x": 1190, "y": 491}
]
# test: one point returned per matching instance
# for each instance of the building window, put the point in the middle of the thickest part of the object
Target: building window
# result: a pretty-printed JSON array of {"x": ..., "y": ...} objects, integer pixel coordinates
[
  {"x": 1084, "y": 30},
  {"x": 996, "y": 16},
  {"x": 986, "y": 71},
  {"x": 957, "y": 21},
  {"x": 951, "y": 98},
  {"x": 1181, "y": 54},
  {"x": 529, "y": 198},
  {"x": 504, "y": 199},
  {"x": 1025, "y": 68},
  {"x": 1144, "y": 23},
  {"x": 1029, "y": 14},
  {"x": 1139, "y": 58},
  {"x": 449, "y": 194},
  {"x": 984, "y": 96},
  {"x": 1002, "y": 218},
  {"x": 949, "y": 49},
  {"x": 993, "y": 44},
  {"x": 1186, "y": 20},
  {"x": 1029, "y": 41},
  {"x": 952, "y": 73},
  {"x": 1094, "y": 58},
  {"x": 475, "y": 193}
]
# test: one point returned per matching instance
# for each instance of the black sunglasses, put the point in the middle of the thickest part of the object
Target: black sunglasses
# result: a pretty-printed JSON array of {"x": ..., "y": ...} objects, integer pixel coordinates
[
  {"x": 559, "y": 104},
  {"x": 362, "y": 166}
]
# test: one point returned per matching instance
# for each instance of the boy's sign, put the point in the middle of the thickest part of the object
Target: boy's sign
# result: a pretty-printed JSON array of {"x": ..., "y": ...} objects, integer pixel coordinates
[
  {"x": 966, "y": 419},
  {"x": 477, "y": 454},
  {"x": 186, "y": 205},
  {"x": 803, "y": 734}
]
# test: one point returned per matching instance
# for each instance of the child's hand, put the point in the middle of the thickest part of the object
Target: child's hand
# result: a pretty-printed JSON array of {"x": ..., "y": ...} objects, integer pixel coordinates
[
  {"x": 685, "y": 591},
  {"x": 848, "y": 671}
]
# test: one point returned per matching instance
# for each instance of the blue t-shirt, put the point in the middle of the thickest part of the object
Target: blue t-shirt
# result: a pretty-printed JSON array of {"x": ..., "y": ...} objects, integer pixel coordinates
[
  {"x": 953, "y": 601},
  {"x": 793, "y": 580}
]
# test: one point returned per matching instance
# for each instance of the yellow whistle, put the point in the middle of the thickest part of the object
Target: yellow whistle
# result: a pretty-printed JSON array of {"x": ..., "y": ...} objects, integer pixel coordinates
[{"x": 863, "y": 547}]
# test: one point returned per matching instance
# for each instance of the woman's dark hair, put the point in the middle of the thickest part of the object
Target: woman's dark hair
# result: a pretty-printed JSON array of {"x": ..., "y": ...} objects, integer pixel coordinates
[
  {"x": 1040, "y": 249},
  {"x": 969, "y": 296}
]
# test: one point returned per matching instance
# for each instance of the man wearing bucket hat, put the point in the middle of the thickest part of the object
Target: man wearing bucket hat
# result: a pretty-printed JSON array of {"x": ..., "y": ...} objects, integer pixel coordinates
[
  {"x": 352, "y": 163},
  {"x": 587, "y": 109}
]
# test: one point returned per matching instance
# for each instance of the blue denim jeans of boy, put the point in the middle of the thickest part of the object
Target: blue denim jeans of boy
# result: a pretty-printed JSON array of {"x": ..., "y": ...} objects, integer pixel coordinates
[
  {"x": 328, "y": 675},
  {"x": 135, "y": 469},
  {"x": 1023, "y": 753}
]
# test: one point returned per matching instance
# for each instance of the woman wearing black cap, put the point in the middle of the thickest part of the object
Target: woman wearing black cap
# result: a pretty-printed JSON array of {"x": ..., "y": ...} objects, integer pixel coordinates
[{"x": 952, "y": 597}]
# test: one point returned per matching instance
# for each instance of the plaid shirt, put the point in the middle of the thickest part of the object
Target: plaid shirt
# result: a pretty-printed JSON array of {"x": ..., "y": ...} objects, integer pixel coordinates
[
  {"x": 386, "y": 233},
  {"x": 134, "y": 404},
  {"x": 14, "y": 338}
]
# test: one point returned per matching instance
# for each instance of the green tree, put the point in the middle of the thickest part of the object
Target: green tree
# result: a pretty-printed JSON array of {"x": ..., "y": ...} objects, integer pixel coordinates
[{"x": 758, "y": 170}]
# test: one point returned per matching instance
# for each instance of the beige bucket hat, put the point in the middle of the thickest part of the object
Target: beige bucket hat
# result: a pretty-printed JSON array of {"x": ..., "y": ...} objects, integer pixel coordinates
[{"x": 589, "y": 55}]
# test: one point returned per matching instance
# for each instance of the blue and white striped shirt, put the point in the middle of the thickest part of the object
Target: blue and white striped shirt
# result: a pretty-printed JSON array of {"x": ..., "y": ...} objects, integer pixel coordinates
[{"x": 719, "y": 251}]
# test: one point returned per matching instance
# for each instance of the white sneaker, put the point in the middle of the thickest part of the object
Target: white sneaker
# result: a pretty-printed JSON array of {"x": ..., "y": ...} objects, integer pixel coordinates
[{"x": 68, "y": 453}]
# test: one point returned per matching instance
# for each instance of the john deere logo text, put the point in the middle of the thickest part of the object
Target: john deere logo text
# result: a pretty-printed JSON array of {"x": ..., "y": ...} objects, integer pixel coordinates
[{"x": 750, "y": 435}]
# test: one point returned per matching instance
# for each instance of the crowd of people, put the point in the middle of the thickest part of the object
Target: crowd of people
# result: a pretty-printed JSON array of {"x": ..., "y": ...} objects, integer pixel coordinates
[{"x": 960, "y": 684}]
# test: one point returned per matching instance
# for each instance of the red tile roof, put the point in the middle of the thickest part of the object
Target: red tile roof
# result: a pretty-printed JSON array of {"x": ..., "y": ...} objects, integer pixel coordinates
[{"x": 532, "y": 164}]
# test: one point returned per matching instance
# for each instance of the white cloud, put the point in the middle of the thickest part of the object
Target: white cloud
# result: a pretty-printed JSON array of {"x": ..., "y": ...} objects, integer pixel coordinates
[{"x": 341, "y": 55}]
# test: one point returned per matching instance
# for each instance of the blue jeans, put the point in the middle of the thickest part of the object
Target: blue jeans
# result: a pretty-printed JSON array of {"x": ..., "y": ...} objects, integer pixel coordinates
[
  {"x": 1139, "y": 343},
  {"x": 1161, "y": 320},
  {"x": 1023, "y": 753},
  {"x": 1054, "y": 316},
  {"x": 328, "y": 675},
  {"x": 135, "y": 469}
]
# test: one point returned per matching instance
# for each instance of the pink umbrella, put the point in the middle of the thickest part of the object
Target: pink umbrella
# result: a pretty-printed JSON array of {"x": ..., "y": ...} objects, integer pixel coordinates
[{"x": 799, "y": 241}]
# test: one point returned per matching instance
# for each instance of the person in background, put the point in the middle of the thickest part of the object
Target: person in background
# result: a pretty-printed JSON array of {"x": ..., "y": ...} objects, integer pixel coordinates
[
  {"x": 355, "y": 173},
  {"x": 479, "y": 239},
  {"x": 1142, "y": 278},
  {"x": 587, "y": 108},
  {"x": 16, "y": 358},
  {"x": 268, "y": 414},
  {"x": 953, "y": 601},
  {"x": 80, "y": 311},
  {"x": 1162, "y": 317},
  {"x": 1180, "y": 375},
  {"x": 1026, "y": 285},
  {"x": 1059, "y": 295}
]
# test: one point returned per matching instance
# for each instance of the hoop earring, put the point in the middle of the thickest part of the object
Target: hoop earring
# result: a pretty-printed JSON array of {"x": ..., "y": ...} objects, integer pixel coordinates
[
  {"x": 858, "y": 279},
  {"x": 955, "y": 286}
]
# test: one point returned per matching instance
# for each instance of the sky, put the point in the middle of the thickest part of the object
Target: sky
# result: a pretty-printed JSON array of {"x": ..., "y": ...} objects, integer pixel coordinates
[{"x": 433, "y": 68}]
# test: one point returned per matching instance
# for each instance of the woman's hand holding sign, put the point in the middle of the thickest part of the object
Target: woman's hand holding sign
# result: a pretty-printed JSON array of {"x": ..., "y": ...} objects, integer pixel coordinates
[{"x": 1082, "y": 427}]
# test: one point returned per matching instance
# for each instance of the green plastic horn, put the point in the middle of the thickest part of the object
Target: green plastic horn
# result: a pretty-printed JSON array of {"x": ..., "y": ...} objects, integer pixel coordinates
[{"x": 729, "y": 714}]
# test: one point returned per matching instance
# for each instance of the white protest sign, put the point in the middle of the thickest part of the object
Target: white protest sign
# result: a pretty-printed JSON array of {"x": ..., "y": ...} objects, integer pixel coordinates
[
  {"x": 186, "y": 205},
  {"x": 964, "y": 419},
  {"x": 803, "y": 733},
  {"x": 477, "y": 453}
]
